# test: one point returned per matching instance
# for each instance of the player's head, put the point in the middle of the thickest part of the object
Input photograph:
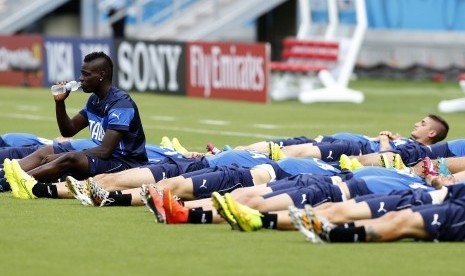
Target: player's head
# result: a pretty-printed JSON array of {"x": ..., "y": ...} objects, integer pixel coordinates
[
  {"x": 97, "y": 69},
  {"x": 430, "y": 130}
]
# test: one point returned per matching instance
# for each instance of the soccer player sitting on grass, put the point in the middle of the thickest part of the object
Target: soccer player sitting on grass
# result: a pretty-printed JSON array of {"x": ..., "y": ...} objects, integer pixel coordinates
[{"x": 115, "y": 125}]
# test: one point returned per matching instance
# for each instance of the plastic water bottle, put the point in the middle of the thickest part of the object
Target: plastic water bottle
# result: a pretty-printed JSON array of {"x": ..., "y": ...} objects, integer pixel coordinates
[{"x": 58, "y": 89}]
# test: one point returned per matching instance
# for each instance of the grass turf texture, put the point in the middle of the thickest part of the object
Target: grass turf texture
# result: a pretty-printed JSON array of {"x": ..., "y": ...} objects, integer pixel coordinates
[{"x": 62, "y": 237}]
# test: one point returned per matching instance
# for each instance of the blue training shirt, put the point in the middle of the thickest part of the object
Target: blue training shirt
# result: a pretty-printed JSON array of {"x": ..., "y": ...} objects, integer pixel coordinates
[
  {"x": 243, "y": 158},
  {"x": 22, "y": 139},
  {"x": 117, "y": 112}
]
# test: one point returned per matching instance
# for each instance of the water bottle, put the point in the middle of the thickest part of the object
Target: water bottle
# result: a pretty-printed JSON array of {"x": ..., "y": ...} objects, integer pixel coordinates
[{"x": 58, "y": 89}]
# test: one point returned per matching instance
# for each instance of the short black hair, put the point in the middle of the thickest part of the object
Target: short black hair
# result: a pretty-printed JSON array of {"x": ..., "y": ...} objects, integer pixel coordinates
[
  {"x": 442, "y": 130},
  {"x": 108, "y": 64}
]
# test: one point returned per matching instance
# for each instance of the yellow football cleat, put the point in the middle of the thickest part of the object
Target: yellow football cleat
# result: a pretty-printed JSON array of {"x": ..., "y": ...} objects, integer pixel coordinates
[
  {"x": 222, "y": 208},
  {"x": 25, "y": 181},
  {"x": 166, "y": 142},
  {"x": 398, "y": 163},
  {"x": 10, "y": 177},
  {"x": 345, "y": 163},
  {"x": 177, "y": 146},
  {"x": 247, "y": 218},
  {"x": 356, "y": 164},
  {"x": 384, "y": 161},
  {"x": 275, "y": 152}
]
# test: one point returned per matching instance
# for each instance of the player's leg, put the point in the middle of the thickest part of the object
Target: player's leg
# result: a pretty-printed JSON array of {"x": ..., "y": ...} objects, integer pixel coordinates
[
  {"x": 372, "y": 159},
  {"x": 34, "y": 159},
  {"x": 302, "y": 150},
  {"x": 77, "y": 162},
  {"x": 395, "y": 226},
  {"x": 123, "y": 180}
]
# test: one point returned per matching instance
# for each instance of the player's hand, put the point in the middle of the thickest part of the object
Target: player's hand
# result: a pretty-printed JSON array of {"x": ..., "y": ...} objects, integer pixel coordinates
[{"x": 61, "y": 97}]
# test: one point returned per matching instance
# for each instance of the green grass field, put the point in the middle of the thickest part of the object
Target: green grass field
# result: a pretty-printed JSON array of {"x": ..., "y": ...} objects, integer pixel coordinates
[{"x": 62, "y": 237}]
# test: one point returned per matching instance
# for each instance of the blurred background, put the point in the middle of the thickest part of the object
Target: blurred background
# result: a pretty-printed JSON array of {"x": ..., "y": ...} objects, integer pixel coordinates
[{"x": 165, "y": 46}]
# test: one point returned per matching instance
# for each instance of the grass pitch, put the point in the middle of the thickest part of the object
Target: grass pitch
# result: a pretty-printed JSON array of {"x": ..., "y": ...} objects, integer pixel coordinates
[{"x": 62, "y": 237}]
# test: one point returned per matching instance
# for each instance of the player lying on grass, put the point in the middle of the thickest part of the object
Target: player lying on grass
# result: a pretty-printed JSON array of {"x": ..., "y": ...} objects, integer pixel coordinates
[
  {"x": 430, "y": 222},
  {"x": 155, "y": 154},
  {"x": 278, "y": 195},
  {"x": 134, "y": 178},
  {"x": 201, "y": 183},
  {"x": 429, "y": 130},
  {"x": 244, "y": 218}
]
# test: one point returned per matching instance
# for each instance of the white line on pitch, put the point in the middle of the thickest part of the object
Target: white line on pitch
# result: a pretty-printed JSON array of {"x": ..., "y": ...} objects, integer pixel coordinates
[{"x": 214, "y": 122}]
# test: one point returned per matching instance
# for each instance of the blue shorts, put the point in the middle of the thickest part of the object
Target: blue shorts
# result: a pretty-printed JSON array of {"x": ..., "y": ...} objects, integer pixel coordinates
[
  {"x": 222, "y": 180},
  {"x": 444, "y": 222},
  {"x": 293, "y": 141},
  {"x": 316, "y": 194},
  {"x": 333, "y": 151},
  {"x": 96, "y": 165},
  {"x": 171, "y": 166},
  {"x": 306, "y": 189},
  {"x": 380, "y": 204},
  {"x": 17, "y": 152}
]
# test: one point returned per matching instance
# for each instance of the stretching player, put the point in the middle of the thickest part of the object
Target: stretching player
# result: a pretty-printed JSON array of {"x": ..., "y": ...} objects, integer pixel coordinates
[
  {"x": 429, "y": 130},
  {"x": 201, "y": 183}
]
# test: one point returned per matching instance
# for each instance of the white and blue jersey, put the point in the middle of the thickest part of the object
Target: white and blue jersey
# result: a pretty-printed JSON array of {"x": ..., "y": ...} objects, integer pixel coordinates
[
  {"x": 117, "y": 112},
  {"x": 157, "y": 153},
  {"x": 172, "y": 166},
  {"x": 225, "y": 179},
  {"x": 242, "y": 158},
  {"x": 293, "y": 166},
  {"x": 22, "y": 140},
  {"x": 415, "y": 152}
]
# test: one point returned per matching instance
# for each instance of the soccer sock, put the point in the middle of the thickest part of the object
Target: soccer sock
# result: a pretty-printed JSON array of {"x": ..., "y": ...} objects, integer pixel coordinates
[
  {"x": 120, "y": 199},
  {"x": 45, "y": 190},
  {"x": 198, "y": 215},
  {"x": 269, "y": 221},
  {"x": 4, "y": 185},
  {"x": 351, "y": 234}
]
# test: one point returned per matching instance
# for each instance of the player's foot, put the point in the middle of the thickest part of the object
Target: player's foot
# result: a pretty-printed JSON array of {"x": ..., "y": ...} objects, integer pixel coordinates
[
  {"x": 155, "y": 203},
  {"x": 385, "y": 161},
  {"x": 98, "y": 195},
  {"x": 25, "y": 181},
  {"x": 320, "y": 225},
  {"x": 80, "y": 190},
  {"x": 356, "y": 164},
  {"x": 177, "y": 146},
  {"x": 275, "y": 151},
  {"x": 442, "y": 167},
  {"x": 247, "y": 219},
  {"x": 428, "y": 167},
  {"x": 398, "y": 163},
  {"x": 345, "y": 163},
  {"x": 10, "y": 177},
  {"x": 302, "y": 224},
  {"x": 174, "y": 211},
  {"x": 227, "y": 147},
  {"x": 222, "y": 208},
  {"x": 166, "y": 142}
]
